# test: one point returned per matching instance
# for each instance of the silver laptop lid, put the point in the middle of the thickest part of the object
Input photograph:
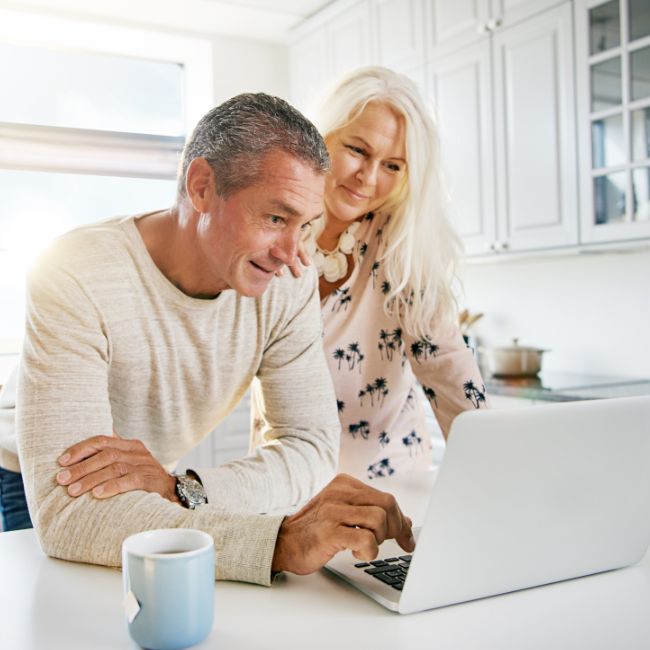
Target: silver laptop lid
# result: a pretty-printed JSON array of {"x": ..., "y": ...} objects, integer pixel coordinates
[{"x": 534, "y": 495}]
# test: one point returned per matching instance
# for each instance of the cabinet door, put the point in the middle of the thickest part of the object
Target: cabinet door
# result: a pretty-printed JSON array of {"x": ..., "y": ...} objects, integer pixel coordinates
[
  {"x": 461, "y": 86},
  {"x": 309, "y": 71},
  {"x": 452, "y": 24},
  {"x": 535, "y": 132},
  {"x": 613, "y": 72},
  {"x": 505, "y": 13},
  {"x": 400, "y": 33},
  {"x": 348, "y": 40}
]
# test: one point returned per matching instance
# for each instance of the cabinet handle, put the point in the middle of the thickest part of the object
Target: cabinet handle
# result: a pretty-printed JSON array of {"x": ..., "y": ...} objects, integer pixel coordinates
[
  {"x": 482, "y": 28},
  {"x": 493, "y": 23},
  {"x": 499, "y": 246}
]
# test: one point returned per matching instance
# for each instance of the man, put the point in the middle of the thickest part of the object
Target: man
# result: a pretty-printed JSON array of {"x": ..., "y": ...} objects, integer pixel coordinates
[{"x": 152, "y": 328}]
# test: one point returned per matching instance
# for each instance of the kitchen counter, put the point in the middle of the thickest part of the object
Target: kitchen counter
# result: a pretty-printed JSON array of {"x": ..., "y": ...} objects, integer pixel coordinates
[{"x": 565, "y": 386}]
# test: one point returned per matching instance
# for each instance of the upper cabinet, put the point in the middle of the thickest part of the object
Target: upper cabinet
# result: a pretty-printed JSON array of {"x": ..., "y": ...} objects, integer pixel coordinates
[
  {"x": 613, "y": 70},
  {"x": 400, "y": 33},
  {"x": 543, "y": 107},
  {"x": 452, "y": 24},
  {"x": 330, "y": 47},
  {"x": 507, "y": 122}
]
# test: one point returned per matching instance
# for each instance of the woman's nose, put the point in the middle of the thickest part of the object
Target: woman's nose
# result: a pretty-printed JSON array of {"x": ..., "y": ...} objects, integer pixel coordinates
[{"x": 367, "y": 173}]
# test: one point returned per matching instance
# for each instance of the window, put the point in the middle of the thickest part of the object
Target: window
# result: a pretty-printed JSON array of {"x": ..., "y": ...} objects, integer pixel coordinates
[{"x": 92, "y": 123}]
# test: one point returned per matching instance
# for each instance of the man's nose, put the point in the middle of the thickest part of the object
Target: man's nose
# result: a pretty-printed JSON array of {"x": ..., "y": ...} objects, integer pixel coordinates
[{"x": 286, "y": 247}]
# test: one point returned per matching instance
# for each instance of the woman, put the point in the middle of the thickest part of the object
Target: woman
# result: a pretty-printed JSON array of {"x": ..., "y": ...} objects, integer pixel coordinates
[{"x": 386, "y": 256}]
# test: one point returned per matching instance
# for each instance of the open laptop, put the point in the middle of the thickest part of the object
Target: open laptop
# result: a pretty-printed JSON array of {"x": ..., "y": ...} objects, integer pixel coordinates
[{"x": 524, "y": 497}]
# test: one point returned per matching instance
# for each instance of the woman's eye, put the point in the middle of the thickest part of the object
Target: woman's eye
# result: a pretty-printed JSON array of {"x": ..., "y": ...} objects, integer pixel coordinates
[
  {"x": 393, "y": 167},
  {"x": 357, "y": 150}
]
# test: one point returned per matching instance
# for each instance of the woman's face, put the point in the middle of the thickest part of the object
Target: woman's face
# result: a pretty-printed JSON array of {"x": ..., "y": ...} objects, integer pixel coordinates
[{"x": 368, "y": 162}]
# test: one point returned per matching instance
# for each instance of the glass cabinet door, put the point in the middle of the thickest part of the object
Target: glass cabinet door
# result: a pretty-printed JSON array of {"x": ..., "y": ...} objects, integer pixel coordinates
[{"x": 614, "y": 63}]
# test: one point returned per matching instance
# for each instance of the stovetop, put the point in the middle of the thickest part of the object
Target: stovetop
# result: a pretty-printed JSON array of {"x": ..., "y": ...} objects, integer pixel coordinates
[{"x": 566, "y": 386}]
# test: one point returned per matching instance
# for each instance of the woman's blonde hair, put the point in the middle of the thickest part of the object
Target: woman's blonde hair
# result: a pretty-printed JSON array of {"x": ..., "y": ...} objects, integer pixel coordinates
[{"x": 421, "y": 258}]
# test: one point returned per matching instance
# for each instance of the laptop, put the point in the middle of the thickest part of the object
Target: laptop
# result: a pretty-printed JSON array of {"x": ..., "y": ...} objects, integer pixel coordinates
[{"x": 524, "y": 497}]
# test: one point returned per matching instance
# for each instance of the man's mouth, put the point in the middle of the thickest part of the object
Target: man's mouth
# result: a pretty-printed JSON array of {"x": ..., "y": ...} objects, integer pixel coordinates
[{"x": 261, "y": 268}]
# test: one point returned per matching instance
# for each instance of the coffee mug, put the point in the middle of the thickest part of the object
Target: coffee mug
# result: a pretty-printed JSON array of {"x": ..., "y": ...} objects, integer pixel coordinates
[{"x": 168, "y": 587}]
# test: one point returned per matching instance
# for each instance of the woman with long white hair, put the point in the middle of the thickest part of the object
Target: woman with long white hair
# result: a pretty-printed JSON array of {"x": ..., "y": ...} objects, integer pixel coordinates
[{"x": 387, "y": 255}]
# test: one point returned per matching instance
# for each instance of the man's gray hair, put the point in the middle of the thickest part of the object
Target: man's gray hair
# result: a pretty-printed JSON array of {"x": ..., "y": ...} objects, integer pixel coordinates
[{"x": 235, "y": 136}]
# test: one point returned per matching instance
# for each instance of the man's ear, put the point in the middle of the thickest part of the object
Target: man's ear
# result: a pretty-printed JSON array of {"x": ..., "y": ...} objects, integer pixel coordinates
[{"x": 200, "y": 184}]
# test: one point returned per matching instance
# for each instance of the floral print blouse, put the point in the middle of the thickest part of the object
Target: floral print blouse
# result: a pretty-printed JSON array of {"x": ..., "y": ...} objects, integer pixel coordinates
[{"x": 378, "y": 370}]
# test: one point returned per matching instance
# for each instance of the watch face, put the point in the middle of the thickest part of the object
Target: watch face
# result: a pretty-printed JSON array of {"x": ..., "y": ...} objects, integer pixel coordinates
[{"x": 191, "y": 492}]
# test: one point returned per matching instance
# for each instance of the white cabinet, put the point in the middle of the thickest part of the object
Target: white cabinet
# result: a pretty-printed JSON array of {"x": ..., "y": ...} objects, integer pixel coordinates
[
  {"x": 452, "y": 24},
  {"x": 309, "y": 70},
  {"x": 349, "y": 39},
  {"x": 400, "y": 33},
  {"x": 333, "y": 46},
  {"x": 526, "y": 73},
  {"x": 534, "y": 92},
  {"x": 462, "y": 85},
  {"x": 613, "y": 72}
]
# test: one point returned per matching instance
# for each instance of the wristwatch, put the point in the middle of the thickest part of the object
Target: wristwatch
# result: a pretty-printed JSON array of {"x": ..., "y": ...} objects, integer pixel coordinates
[{"x": 190, "y": 491}]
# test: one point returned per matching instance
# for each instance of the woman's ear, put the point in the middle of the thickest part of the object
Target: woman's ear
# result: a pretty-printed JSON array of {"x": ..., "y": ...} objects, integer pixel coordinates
[{"x": 200, "y": 184}]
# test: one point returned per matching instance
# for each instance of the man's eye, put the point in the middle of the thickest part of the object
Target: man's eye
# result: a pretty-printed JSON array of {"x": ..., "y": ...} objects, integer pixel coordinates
[{"x": 274, "y": 219}]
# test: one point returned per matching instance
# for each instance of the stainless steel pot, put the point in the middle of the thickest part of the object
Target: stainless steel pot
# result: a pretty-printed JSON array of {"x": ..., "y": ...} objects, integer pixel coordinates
[{"x": 513, "y": 360}]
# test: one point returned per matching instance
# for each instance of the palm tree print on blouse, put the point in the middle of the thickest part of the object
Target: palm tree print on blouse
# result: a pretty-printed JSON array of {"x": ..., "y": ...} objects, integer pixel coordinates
[
  {"x": 363, "y": 247},
  {"x": 340, "y": 405},
  {"x": 339, "y": 355},
  {"x": 370, "y": 216},
  {"x": 378, "y": 387},
  {"x": 422, "y": 348},
  {"x": 361, "y": 427},
  {"x": 383, "y": 438},
  {"x": 473, "y": 394},
  {"x": 354, "y": 356},
  {"x": 380, "y": 468},
  {"x": 430, "y": 394},
  {"x": 385, "y": 287},
  {"x": 373, "y": 272},
  {"x": 413, "y": 442},
  {"x": 343, "y": 299},
  {"x": 390, "y": 342}
]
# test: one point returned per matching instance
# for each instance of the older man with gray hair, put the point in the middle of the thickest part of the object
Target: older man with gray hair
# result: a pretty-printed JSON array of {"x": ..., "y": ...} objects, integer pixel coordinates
[{"x": 144, "y": 332}]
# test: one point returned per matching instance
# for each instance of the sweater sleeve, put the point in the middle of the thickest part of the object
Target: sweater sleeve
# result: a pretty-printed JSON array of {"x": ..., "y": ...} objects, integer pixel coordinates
[
  {"x": 448, "y": 373},
  {"x": 62, "y": 399},
  {"x": 299, "y": 424}
]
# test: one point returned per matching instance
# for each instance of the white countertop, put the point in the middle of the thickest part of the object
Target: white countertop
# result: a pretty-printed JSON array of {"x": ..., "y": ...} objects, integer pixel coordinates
[{"x": 48, "y": 604}]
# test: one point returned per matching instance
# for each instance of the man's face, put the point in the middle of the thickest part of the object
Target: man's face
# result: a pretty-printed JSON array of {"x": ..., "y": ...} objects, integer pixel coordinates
[{"x": 245, "y": 239}]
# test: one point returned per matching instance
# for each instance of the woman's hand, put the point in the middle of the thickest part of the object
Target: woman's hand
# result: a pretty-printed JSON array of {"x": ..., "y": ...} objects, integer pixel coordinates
[{"x": 302, "y": 259}]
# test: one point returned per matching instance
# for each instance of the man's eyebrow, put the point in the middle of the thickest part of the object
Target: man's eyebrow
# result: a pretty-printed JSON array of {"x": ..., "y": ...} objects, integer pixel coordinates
[
  {"x": 283, "y": 207},
  {"x": 368, "y": 146}
]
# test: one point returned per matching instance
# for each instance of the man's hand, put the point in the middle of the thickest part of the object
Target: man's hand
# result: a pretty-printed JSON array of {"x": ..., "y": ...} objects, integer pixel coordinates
[
  {"x": 346, "y": 514},
  {"x": 109, "y": 465}
]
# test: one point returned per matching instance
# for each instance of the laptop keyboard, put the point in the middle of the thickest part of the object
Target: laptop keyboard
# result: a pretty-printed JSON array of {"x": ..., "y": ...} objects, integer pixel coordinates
[{"x": 391, "y": 571}]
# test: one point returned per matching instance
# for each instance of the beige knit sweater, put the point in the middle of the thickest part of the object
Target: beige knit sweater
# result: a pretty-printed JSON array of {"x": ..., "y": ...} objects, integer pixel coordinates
[{"x": 112, "y": 345}]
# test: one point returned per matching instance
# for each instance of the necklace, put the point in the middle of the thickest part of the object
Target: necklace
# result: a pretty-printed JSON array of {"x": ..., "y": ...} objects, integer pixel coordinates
[{"x": 333, "y": 265}]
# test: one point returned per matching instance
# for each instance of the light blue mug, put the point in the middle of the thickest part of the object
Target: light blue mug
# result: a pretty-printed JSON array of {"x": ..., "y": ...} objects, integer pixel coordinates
[{"x": 168, "y": 577}]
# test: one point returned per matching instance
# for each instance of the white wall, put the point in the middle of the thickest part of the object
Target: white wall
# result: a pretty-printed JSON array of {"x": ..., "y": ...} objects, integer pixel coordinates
[
  {"x": 246, "y": 66},
  {"x": 592, "y": 311}
]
